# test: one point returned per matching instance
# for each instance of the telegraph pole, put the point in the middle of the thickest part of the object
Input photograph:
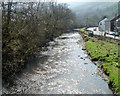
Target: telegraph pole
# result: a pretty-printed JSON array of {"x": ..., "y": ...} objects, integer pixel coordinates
[
  {"x": 115, "y": 25},
  {"x": 118, "y": 23},
  {"x": 87, "y": 22}
]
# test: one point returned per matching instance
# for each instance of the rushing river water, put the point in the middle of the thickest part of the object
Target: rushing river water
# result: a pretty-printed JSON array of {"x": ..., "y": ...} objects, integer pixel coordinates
[{"x": 64, "y": 69}]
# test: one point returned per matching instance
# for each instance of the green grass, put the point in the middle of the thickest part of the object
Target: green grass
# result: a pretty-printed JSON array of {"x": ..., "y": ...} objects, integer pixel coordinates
[
  {"x": 107, "y": 53},
  {"x": 83, "y": 30}
]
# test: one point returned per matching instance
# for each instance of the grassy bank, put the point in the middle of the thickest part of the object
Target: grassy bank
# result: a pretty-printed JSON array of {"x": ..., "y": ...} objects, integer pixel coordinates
[{"x": 105, "y": 52}]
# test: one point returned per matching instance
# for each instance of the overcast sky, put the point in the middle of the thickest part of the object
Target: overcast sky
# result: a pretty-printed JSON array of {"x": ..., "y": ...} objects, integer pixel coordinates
[{"x": 63, "y": 1}]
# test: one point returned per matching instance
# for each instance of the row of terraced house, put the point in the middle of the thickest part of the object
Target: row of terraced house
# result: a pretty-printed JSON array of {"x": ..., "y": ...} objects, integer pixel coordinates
[{"x": 110, "y": 25}]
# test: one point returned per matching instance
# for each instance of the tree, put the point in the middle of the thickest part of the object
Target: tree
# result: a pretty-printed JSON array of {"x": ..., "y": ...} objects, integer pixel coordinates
[{"x": 27, "y": 26}]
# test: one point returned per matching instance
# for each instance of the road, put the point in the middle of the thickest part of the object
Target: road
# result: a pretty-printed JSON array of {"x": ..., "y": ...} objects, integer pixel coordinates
[
  {"x": 97, "y": 32},
  {"x": 65, "y": 69}
]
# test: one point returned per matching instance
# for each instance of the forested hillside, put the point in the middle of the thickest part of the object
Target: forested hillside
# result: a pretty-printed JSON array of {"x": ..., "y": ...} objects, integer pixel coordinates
[
  {"x": 27, "y": 27},
  {"x": 92, "y": 12}
]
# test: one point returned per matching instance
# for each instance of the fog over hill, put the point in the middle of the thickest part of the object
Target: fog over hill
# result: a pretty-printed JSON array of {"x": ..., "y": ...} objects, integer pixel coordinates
[{"x": 91, "y": 13}]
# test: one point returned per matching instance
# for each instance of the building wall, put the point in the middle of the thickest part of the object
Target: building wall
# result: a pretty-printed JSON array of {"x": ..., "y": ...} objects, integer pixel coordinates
[
  {"x": 112, "y": 26},
  {"x": 102, "y": 25},
  {"x": 107, "y": 25}
]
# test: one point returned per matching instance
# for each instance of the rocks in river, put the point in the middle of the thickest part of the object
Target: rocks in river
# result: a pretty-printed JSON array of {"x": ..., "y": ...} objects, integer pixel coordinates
[
  {"x": 62, "y": 37},
  {"x": 81, "y": 58},
  {"x": 87, "y": 57},
  {"x": 83, "y": 48},
  {"x": 44, "y": 48},
  {"x": 94, "y": 59}
]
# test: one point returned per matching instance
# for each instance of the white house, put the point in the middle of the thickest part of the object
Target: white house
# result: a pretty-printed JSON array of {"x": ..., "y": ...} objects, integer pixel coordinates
[
  {"x": 103, "y": 24},
  {"x": 108, "y": 25}
]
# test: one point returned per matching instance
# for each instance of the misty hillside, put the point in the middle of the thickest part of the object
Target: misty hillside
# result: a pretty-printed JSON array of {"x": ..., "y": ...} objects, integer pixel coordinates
[{"x": 92, "y": 12}]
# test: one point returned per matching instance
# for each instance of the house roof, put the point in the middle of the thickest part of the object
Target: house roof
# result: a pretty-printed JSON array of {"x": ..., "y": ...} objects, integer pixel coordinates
[
  {"x": 115, "y": 18},
  {"x": 103, "y": 19}
]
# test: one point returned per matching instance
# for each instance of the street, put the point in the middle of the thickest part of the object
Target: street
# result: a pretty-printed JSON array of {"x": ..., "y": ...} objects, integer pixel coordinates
[{"x": 96, "y": 31}]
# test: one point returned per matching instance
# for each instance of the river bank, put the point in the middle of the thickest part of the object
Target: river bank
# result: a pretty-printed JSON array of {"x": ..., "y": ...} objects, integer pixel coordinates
[{"x": 104, "y": 51}]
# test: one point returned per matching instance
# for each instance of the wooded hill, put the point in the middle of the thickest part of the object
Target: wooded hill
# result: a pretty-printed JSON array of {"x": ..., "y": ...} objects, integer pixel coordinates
[{"x": 91, "y": 13}]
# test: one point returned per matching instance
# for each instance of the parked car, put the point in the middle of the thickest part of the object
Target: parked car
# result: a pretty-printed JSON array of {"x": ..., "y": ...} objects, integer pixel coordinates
[
  {"x": 107, "y": 32},
  {"x": 114, "y": 33},
  {"x": 90, "y": 33},
  {"x": 94, "y": 29},
  {"x": 111, "y": 33}
]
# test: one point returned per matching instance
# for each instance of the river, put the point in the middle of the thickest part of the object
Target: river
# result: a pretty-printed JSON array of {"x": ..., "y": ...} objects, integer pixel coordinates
[{"x": 64, "y": 69}]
